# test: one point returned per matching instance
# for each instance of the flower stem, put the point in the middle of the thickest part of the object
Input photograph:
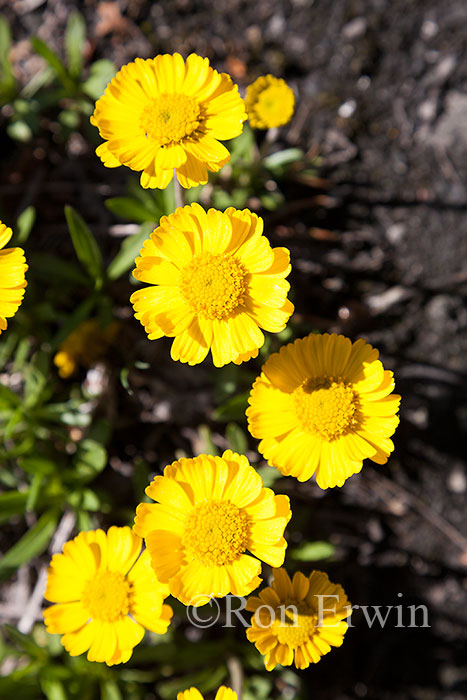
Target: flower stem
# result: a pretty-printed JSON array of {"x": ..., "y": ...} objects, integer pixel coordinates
[
  {"x": 177, "y": 192},
  {"x": 236, "y": 675}
]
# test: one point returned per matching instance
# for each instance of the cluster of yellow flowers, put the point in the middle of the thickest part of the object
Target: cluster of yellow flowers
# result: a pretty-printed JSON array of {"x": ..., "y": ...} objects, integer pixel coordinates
[{"x": 320, "y": 406}]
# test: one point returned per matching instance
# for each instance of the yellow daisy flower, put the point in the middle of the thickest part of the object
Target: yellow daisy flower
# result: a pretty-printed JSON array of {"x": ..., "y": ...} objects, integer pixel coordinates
[
  {"x": 297, "y": 622},
  {"x": 269, "y": 102},
  {"x": 165, "y": 113},
  {"x": 209, "y": 512},
  {"x": 193, "y": 694},
  {"x": 323, "y": 405},
  {"x": 217, "y": 282},
  {"x": 87, "y": 344},
  {"x": 106, "y": 594},
  {"x": 12, "y": 277}
]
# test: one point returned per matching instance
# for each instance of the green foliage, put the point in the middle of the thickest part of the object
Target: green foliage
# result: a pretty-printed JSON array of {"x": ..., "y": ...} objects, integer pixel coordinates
[
  {"x": 75, "y": 37},
  {"x": 84, "y": 243},
  {"x": 63, "y": 449},
  {"x": 33, "y": 543},
  {"x": 7, "y": 79},
  {"x": 313, "y": 551}
]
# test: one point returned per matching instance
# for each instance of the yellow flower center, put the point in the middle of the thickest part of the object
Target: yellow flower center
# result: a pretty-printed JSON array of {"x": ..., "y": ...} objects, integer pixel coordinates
[
  {"x": 271, "y": 102},
  {"x": 107, "y": 596},
  {"x": 326, "y": 406},
  {"x": 169, "y": 118},
  {"x": 213, "y": 285},
  {"x": 294, "y": 628},
  {"x": 216, "y": 533}
]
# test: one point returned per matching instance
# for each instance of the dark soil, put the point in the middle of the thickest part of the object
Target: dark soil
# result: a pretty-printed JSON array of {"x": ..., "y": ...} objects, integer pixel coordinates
[{"x": 379, "y": 249}]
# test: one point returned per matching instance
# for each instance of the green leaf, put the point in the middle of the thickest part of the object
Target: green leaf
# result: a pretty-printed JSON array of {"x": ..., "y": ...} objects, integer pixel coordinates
[
  {"x": 282, "y": 159},
  {"x": 89, "y": 461},
  {"x": 85, "y": 245},
  {"x": 233, "y": 409},
  {"x": 236, "y": 438},
  {"x": 80, "y": 314},
  {"x": 129, "y": 208},
  {"x": 54, "y": 62},
  {"x": 37, "y": 465},
  {"x": 33, "y": 543},
  {"x": 55, "y": 271},
  {"x": 75, "y": 37},
  {"x": 110, "y": 690},
  {"x": 313, "y": 551},
  {"x": 100, "y": 75},
  {"x": 24, "y": 224},
  {"x": 53, "y": 689},
  {"x": 34, "y": 492},
  {"x": 12, "y": 503},
  {"x": 269, "y": 475},
  {"x": 19, "y": 131},
  {"x": 25, "y": 642},
  {"x": 36, "y": 377},
  {"x": 8, "y": 398},
  {"x": 7, "y": 78},
  {"x": 129, "y": 251}
]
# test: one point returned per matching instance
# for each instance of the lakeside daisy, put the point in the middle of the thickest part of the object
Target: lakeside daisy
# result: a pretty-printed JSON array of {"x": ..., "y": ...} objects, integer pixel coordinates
[
  {"x": 209, "y": 512},
  {"x": 269, "y": 102},
  {"x": 106, "y": 594},
  {"x": 223, "y": 693},
  {"x": 321, "y": 406},
  {"x": 12, "y": 277},
  {"x": 166, "y": 113},
  {"x": 297, "y": 622},
  {"x": 216, "y": 282}
]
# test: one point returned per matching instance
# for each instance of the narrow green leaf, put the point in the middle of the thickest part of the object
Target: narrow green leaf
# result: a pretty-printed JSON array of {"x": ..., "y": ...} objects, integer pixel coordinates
[
  {"x": 48, "y": 267},
  {"x": 236, "y": 438},
  {"x": 281, "y": 159},
  {"x": 110, "y": 690},
  {"x": 54, "y": 62},
  {"x": 39, "y": 466},
  {"x": 75, "y": 37},
  {"x": 80, "y": 314},
  {"x": 7, "y": 79},
  {"x": 100, "y": 75},
  {"x": 233, "y": 409},
  {"x": 24, "y": 224},
  {"x": 53, "y": 689},
  {"x": 89, "y": 461},
  {"x": 34, "y": 491},
  {"x": 33, "y": 543},
  {"x": 12, "y": 503},
  {"x": 85, "y": 245},
  {"x": 129, "y": 208},
  {"x": 25, "y": 642},
  {"x": 36, "y": 377},
  {"x": 313, "y": 551},
  {"x": 8, "y": 398},
  {"x": 129, "y": 251}
]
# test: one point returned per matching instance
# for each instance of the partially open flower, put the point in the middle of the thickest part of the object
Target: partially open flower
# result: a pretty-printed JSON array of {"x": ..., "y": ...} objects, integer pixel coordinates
[
  {"x": 85, "y": 345},
  {"x": 269, "y": 102},
  {"x": 297, "y": 622}
]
